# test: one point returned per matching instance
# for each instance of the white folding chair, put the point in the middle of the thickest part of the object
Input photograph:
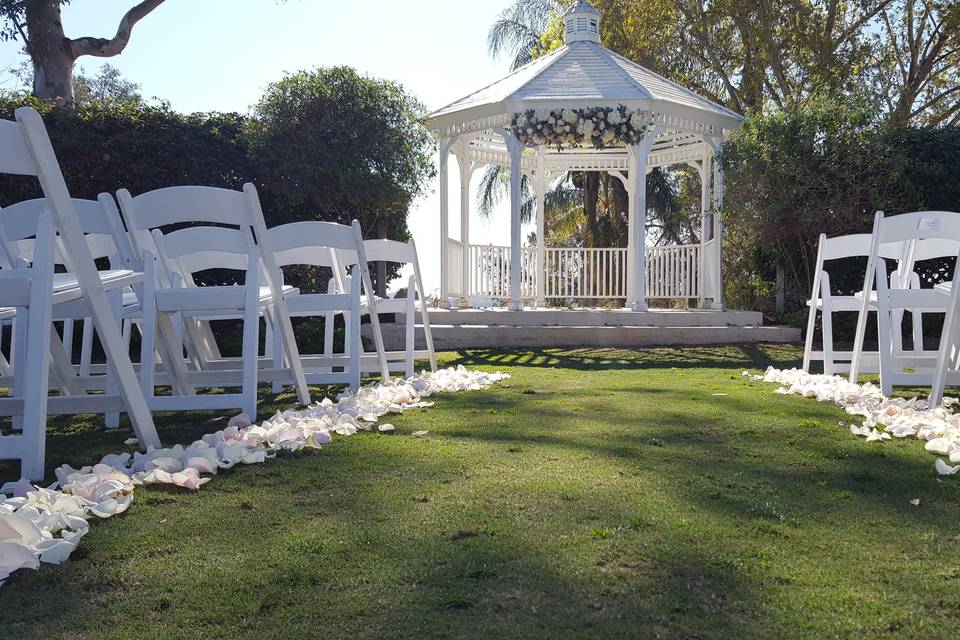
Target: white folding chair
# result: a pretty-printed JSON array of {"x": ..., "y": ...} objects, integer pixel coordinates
[
  {"x": 317, "y": 244},
  {"x": 824, "y": 300},
  {"x": 181, "y": 255},
  {"x": 400, "y": 253},
  {"x": 178, "y": 206},
  {"x": 25, "y": 149},
  {"x": 99, "y": 220},
  {"x": 897, "y": 367},
  {"x": 27, "y": 290},
  {"x": 947, "y": 371}
]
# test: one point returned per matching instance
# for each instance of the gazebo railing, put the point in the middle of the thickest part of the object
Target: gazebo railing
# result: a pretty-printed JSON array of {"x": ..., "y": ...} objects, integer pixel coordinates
[
  {"x": 585, "y": 273},
  {"x": 490, "y": 271},
  {"x": 673, "y": 272}
]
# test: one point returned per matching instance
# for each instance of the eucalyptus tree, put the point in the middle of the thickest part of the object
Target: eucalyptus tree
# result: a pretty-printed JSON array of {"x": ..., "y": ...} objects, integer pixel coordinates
[{"x": 38, "y": 25}]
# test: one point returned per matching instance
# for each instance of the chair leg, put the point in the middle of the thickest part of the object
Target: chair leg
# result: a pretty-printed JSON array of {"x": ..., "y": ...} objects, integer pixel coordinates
[
  {"x": 18, "y": 358},
  {"x": 86, "y": 347},
  {"x": 148, "y": 332},
  {"x": 829, "y": 364},
  {"x": 411, "y": 326},
  {"x": 35, "y": 363},
  {"x": 884, "y": 343},
  {"x": 329, "y": 321},
  {"x": 251, "y": 348},
  {"x": 112, "y": 418},
  {"x": 808, "y": 342},
  {"x": 68, "y": 337},
  {"x": 917, "y": 320},
  {"x": 353, "y": 333},
  {"x": 277, "y": 347}
]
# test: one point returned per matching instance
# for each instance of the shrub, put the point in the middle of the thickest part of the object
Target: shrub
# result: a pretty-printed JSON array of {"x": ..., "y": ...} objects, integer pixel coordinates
[
  {"x": 328, "y": 144},
  {"x": 824, "y": 167}
]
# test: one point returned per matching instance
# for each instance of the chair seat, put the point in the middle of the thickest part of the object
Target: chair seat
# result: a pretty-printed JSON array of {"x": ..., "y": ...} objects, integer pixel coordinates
[
  {"x": 110, "y": 279},
  {"x": 921, "y": 300},
  {"x": 312, "y": 303},
  {"x": 201, "y": 300},
  {"x": 841, "y": 303}
]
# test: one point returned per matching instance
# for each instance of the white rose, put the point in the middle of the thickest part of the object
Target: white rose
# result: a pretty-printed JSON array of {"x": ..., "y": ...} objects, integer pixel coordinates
[
  {"x": 542, "y": 114},
  {"x": 614, "y": 117},
  {"x": 569, "y": 116},
  {"x": 637, "y": 121},
  {"x": 608, "y": 135},
  {"x": 521, "y": 121}
]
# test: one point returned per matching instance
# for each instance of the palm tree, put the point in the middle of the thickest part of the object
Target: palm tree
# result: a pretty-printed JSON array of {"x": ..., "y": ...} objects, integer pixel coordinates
[
  {"x": 588, "y": 208},
  {"x": 518, "y": 30}
]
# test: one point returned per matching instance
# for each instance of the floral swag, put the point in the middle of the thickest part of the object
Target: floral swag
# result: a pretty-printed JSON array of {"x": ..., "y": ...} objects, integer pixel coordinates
[{"x": 597, "y": 127}]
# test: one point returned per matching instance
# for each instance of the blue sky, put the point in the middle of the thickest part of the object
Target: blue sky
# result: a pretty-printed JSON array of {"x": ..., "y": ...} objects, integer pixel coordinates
[{"x": 204, "y": 55}]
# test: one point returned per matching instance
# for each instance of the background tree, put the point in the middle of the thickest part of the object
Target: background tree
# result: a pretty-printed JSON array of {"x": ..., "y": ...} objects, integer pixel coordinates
[
  {"x": 332, "y": 144},
  {"x": 38, "y": 24}
]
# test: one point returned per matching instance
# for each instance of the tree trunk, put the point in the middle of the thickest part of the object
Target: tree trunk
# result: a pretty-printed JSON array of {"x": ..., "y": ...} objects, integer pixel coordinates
[
  {"x": 50, "y": 52},
  {"x": 53, "y": 54},
  {"x": 591, "y": 191}
]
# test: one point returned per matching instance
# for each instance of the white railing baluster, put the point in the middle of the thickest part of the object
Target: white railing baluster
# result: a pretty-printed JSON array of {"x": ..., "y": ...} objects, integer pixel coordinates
[{"x": 579, "y": 273}]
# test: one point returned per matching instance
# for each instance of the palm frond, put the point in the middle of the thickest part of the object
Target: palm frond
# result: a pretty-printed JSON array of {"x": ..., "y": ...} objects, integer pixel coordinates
[
  {"x": 494, "y": 183},
  {"x": 518, "y": 29}
]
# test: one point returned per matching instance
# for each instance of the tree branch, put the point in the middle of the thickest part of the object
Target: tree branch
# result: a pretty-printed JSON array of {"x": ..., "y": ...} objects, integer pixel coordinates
[{"x": 104, "y": 48}]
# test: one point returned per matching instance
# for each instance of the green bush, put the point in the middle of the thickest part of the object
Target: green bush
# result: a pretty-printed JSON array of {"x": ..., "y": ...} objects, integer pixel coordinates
[
  {"x": 328, "y": 144},
  {"x": 105, "y": 145},
  {"x": 825, "y": 167}
]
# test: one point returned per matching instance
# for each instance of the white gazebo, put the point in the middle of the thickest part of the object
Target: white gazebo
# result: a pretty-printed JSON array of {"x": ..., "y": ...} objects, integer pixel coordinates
[{"x": 686, "y": 128}]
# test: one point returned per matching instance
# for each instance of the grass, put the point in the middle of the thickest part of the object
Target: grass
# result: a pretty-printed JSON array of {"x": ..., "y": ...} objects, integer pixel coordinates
[{"x": 596, "y": 494}]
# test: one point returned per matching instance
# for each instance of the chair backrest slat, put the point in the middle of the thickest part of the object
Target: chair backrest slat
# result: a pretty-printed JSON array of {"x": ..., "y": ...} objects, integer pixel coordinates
[
  {"x": 177, "y": 205},
  {"x": 15, "y": 155},
  {"x": 930, "y": 248},
  {"x": 197, "y": 249},
  {"x": 311, "y": 233},
  {"x": 388, "y": 251},
  {"x": 105, "y": 238},
  {"x": 919, "y": 225},
  {"x": 857, "y": 245}
]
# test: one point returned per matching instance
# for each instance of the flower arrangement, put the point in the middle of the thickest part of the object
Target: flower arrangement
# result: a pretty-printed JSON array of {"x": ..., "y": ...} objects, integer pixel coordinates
[{"x": 597, "y": 127}]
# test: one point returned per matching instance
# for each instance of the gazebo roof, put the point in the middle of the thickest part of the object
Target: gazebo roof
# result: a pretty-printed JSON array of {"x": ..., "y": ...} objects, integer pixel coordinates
[{"x": 584, "y": 74}]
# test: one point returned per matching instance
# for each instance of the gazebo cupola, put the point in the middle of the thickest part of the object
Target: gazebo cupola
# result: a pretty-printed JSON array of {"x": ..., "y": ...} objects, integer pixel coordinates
[
  {"x": 581, "y": 108},
  {"x": 581, "y": 22}
]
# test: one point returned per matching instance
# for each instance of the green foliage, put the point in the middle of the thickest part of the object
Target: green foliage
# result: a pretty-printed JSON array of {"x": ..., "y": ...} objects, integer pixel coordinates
[
  {"x": 332, "y": 144},
  {"x": 824, "y": 167},
  {"x": 328, "y": 144},
  {"x": 107, "y": 144}
]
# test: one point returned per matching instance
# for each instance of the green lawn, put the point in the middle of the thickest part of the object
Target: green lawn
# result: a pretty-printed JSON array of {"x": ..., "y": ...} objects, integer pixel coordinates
[{"x": 596, "y": 494}]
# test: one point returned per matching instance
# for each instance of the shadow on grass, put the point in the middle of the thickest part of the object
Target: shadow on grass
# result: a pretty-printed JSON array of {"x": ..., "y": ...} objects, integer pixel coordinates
[{"x": 754, "y": 356}]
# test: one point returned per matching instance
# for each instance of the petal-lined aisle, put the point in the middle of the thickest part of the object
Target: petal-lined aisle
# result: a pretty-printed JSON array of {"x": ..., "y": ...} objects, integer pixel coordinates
[
  {"x": 884, "y": 418},
  {"x": 46, "y": 524}
]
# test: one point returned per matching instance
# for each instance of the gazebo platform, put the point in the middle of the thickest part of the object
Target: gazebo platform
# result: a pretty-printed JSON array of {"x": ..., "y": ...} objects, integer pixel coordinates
[{"x": 551, "y": 327}]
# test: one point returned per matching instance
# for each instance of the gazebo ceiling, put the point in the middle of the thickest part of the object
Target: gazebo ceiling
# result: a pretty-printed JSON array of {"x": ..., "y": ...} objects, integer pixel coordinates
[{"x": 584, "y": 74}]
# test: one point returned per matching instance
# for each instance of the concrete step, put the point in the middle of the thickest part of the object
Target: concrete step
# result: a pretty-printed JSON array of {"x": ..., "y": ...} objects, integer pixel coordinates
[
  {"x": 447, "y": 336},
  {"x": 593, "y": 318}
]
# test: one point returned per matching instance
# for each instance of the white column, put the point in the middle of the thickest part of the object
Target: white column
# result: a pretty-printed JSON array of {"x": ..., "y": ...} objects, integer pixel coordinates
[
  {"x": 717, "y": 228},
  {"x": 637, "y": 224},
  {"x": 516, "y": 242},
  {"x": 541, "y": 189},
  {"x": 706, "y": 173},
  {"x": 444, "y": 177},
  {"x": 466, "y": 172}
]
